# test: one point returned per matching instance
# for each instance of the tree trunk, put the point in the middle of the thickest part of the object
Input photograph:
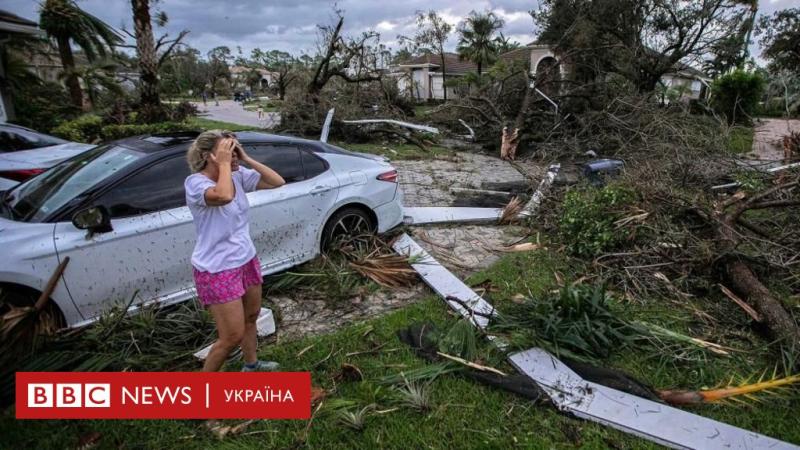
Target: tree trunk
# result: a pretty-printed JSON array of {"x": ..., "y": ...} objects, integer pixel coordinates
[
  {"x": 747, "y": 284},
  {"x": 68, "y": 63},
  {"x": 148, "y": 61},
  {"x": 479, "y": 69},
  {"x": 510, "y": 138}
]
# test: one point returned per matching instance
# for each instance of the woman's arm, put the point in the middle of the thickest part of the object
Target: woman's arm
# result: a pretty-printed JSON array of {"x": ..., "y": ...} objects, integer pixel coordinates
[
  {"x": 222, "y": 193},
  {"x": 269, "y": 178}
]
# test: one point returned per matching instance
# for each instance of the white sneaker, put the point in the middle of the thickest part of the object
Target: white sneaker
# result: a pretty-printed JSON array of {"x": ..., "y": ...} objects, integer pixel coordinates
[{"x": 261, "y": 366}]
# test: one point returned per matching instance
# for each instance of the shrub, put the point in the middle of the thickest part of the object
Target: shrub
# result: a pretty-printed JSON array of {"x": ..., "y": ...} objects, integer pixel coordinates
[
  {"x": 90, "y": 128},
  {"x": 588, "y": 222},
  {"x": 579, "y": 322},
  {"x": 113, "y": 132},
  {"x": 736, "y": 95},
  {"x": 42, "y": 106},
  {"x": 85, "y": 128},
  {"x": 182, "y": 111}
]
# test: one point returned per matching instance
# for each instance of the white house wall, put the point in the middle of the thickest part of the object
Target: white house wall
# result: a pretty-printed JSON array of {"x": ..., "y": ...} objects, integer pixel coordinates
[{"x": 437, "y": 90}]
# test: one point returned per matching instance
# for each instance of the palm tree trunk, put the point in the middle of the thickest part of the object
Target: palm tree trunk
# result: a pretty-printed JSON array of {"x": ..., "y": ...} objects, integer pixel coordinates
[
  {"x": 148, "y": 63},
  {"x": 68, "y": 63}
]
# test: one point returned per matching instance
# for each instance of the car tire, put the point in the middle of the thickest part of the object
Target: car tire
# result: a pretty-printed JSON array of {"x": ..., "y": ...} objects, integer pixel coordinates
[
  {"x": 346, "y": 222},
  {"x": 12, "y": 296}
]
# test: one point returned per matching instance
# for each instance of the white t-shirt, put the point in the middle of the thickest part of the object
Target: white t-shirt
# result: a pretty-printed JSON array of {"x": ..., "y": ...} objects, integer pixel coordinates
[{"x": 223, "y": 232}]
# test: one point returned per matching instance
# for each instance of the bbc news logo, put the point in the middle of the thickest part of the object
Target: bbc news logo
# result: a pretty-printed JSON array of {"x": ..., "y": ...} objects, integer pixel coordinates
[
  {"x": 69, "y": 395},
  {"x": 163, "y": 395}
]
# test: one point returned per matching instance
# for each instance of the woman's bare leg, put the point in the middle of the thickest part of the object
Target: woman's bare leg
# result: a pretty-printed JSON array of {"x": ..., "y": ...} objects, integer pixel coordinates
[
  {"x": 252, "y": 306},
  {"x": 229, "y": 318}
]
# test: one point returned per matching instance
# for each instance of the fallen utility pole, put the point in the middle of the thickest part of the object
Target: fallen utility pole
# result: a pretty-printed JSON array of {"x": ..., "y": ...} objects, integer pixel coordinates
[
  {"x": 418, "y": 215},
  {"x": 326, "y": 126},
  {"x": 409, "y": 125},
  {"x": 570, "y": 393},
  {"x": 536, "y": 199}
]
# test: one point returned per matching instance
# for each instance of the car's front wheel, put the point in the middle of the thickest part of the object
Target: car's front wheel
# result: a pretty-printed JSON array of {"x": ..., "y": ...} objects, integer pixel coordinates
[
  {"x": 16, "y": 300},
  {"x": 346, "y": 223}
]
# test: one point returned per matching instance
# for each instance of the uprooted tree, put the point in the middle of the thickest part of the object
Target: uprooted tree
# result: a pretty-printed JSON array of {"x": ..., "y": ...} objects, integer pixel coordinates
[
  {"x": 345, "y": 74},
  {"x": 675, "y": 238},
  {"x": 353, "y": 60},
  {"x": 639, "y": 40},
  {"x": 733, "y": 230}
]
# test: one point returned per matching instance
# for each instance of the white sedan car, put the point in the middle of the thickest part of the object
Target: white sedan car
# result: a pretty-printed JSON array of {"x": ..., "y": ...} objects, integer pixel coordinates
[
  {"x": 118, "y": 212},
  {"x": 25, "y": 153}
]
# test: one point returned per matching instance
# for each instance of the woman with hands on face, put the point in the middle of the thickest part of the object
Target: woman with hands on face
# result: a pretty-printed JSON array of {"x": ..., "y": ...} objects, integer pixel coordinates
[{"x": 226, "y": 270}]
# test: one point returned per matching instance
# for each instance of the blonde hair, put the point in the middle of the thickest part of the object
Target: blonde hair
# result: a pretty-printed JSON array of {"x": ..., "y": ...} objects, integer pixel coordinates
[{"x": 203, "y": 145}]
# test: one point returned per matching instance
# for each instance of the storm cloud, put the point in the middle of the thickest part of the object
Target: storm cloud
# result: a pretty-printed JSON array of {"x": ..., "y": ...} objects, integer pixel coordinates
[{"x": 291, "y": 25}]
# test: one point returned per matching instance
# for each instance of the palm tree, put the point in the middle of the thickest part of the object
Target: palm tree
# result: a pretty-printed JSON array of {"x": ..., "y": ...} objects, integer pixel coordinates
[
  {"x": 476, "y": 42},
  {"x": 66, "y": 23},
  {"x": 150, "y": 103}
]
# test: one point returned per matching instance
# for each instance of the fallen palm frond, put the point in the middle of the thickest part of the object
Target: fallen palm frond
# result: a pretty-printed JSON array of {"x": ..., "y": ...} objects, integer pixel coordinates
[
  {"x": 511, "y": 211},
  {"x": 386, "y": 270},
  {"x": 153, "y": 339},
  {"x": 659, "y": 332},
  {"x": 376, "y": 260},
  {"x": 460, "y": 340},
  {"x": 343, "y": 271},
  {"x": 731, "y": 391},
  {"x": 20, "y": 325},
  {"x": 577, "y": 322}
]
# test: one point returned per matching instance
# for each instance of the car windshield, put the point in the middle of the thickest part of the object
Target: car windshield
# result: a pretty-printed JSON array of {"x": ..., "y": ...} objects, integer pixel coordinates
[
  {"x": 35, "y": 199},
  {"x": 13, "y": 139}
]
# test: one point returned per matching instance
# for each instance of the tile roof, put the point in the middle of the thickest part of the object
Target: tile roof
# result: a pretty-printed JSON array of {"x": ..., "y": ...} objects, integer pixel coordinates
[
  {"x": 518, "y": 54},
  {"x": 6, "y": 16}
]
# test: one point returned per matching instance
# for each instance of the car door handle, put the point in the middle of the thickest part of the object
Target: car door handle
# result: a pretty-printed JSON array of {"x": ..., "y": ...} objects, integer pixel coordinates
[{"x": 320, "y": 189}]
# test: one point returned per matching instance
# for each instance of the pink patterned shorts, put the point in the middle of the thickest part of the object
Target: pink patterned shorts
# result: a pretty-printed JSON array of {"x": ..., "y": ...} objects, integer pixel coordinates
[{"x": 228, "y": 285}]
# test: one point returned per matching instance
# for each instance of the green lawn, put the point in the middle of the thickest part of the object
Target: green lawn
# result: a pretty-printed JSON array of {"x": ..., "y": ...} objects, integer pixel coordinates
[
  {"x": 464, "y": 414},
  {"x": 268, "y": 105},
  {"x": 208, "y": 124}
]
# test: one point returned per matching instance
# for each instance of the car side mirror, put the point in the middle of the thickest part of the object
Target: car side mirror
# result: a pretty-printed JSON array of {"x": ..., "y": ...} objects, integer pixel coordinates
[{"x": 95, "y": 219}]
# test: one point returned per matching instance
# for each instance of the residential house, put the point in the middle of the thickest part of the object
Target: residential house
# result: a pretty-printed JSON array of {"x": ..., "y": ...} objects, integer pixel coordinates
[
  {"x": 239, "y": 77},
  {"x": 421, "y": 77},
  {"x": 685, "y": 82}
]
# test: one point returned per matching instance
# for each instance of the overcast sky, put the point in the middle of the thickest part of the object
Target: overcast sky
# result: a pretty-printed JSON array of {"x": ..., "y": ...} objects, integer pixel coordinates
[{"x": 290, "y": 25}]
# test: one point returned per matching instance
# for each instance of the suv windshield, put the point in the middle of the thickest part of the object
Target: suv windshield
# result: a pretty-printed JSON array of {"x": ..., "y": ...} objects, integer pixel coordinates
[{"x": 35, "y": 199}]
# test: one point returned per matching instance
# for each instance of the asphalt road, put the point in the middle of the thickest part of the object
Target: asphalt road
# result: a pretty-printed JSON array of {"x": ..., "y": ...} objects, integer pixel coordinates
[{"x": 232, "y": 112}]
